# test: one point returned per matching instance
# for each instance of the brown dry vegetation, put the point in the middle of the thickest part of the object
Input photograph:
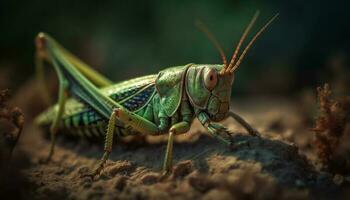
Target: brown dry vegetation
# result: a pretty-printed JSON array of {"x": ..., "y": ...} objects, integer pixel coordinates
[
  {"x": 332, "y": 132},
  {"x": 11, "y": 124}
]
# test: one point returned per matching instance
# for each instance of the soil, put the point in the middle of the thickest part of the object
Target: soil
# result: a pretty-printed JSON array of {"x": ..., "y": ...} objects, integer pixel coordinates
[{"x": 279, "y": 165}]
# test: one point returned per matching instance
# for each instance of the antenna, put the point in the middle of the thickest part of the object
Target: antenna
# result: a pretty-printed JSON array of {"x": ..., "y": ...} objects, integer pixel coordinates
[
  {"x": 251, "y": 42},
  {"x": 200, "y": 25},
  {"x": 245, "y": 33}
]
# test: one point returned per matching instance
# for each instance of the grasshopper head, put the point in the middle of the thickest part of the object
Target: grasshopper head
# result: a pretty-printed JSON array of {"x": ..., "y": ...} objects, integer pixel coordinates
[
  {"x": 209, "y": 86},
  {"x": 209, "y": 90}
]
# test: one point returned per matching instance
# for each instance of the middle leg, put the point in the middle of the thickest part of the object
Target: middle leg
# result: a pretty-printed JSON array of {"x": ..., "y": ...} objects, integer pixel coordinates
[
  {"x": 178, "y": 128},
  {"x": 144, "y": 126}
]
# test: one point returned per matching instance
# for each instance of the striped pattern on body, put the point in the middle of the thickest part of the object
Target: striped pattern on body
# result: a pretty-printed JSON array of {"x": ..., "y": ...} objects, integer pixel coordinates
[{"x": 80, "y": 120}]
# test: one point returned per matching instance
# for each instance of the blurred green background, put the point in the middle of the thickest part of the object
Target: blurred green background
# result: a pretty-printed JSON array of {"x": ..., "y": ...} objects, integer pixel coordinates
[{"x": 306, "y": 46}]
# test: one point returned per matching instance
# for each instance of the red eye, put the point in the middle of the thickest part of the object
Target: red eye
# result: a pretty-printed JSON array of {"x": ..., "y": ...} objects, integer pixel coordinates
[{"x": 210, "y": 78}]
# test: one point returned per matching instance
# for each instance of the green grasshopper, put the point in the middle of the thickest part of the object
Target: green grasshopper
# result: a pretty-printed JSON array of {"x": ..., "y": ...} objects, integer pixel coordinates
[{"x": 92, "y": 106}]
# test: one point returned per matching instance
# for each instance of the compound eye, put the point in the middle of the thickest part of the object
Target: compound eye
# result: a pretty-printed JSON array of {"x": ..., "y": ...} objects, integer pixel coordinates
[{"x": 210, "y": 78}]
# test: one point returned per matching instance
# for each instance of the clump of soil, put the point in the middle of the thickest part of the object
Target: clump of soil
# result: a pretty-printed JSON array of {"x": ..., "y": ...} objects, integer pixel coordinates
[
  {"x": 269, "y": 167},
  {"x": 261, "y": 169},
  {"x": 332, "y": 132}
]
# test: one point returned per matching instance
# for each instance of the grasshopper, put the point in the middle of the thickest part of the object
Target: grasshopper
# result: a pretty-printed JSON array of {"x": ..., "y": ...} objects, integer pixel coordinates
[{"x": 90, "y": 105}]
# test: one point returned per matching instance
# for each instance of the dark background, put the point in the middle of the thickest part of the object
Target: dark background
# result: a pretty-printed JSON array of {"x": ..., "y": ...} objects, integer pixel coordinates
[{"x": 306, "y": 46}]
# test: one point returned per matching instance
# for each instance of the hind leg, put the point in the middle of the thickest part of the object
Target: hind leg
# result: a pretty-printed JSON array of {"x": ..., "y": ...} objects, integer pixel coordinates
[
  {"x": 108, "y": 145},
  {"x": 42, "y": 55},
  {"x": 70, "y": 71},
  {"x": 130, "y": 120}
]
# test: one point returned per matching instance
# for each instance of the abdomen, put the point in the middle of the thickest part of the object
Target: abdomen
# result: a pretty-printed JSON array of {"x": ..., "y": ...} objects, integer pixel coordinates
[{"x": 80, "y": 120}]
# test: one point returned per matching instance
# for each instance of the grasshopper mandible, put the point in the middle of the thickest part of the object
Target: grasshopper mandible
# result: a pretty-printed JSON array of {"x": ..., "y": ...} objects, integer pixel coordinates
[{"x": 167, "y": 102}]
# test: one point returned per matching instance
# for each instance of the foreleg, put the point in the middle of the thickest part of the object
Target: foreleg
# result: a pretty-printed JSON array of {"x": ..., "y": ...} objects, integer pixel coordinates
[{"x": 214, "y": 129}]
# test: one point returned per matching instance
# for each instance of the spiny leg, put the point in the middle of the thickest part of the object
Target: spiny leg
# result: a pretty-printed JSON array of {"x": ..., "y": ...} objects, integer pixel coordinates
[
  {"x": 252, "y": 131},
  {"x": 71, "y": 70},
  {"x": 130, "y": 120},
  {"x": 216, "y": 129},
  {"x": 108, "y": 145}
]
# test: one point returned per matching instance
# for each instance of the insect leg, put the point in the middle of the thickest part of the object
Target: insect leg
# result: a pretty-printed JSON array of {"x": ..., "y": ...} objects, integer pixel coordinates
[
  {"x": 62, "y": 97},
  {"x": 42, "y": 41},
  {"x": 168, "y": 160},
  {"x": 136, "y": 122},
  {"x": 108, "y": 145},
  {"x": 39, "y": 71},
  {"x": 245, "y": 124},
  {"x": 83, "y": 81},
  {"x": 95, "y": 77},
  {"x": 41, "y": 55},
  {"x": 179, "y": 128},
  {"x": 214, "y": 129},
  {"x": 130, "y": 120},
  {"x": 144, "y": 126}
]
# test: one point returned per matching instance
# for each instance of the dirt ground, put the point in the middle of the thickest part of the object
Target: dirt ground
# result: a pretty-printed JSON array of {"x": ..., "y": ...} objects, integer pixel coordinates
[{"x": 279, "y": 165}]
